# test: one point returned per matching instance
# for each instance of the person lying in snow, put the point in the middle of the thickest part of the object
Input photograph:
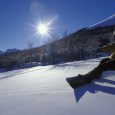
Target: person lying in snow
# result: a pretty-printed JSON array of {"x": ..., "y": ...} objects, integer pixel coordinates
[{"x": 105, "y": 65}]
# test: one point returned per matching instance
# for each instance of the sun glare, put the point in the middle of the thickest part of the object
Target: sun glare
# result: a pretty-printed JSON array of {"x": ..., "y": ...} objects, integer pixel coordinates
[{"x": 42, "y": 29}]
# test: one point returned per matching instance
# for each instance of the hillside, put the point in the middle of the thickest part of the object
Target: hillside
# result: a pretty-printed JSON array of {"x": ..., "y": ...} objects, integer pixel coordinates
[
  {"x": 43, "y": 90},
  {"x": 83, "y": 44}
]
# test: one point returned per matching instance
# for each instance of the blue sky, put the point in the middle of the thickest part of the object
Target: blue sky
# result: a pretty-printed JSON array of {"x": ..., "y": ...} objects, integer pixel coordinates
[{"x": 18, "y": 16}]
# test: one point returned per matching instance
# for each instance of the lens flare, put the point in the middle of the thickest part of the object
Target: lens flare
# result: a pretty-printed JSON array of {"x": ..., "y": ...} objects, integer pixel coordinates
[{"x": 43, "y": 29}]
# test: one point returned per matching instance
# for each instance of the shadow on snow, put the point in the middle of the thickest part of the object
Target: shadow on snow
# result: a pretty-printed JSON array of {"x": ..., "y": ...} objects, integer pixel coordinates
[{"x": 94, "y": 88}]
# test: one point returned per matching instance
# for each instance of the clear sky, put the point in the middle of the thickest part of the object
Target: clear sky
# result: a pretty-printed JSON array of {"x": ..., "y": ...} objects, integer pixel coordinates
[{"x": 18, "y": 16}]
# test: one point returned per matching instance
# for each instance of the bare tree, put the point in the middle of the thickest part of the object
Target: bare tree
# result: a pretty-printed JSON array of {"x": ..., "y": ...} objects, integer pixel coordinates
[
  {"x": 52, "y": 49},
  {"x": 81, "y": 45},
  {"x": 65, "y": 46},
  {"x": 30, "y": 51}
]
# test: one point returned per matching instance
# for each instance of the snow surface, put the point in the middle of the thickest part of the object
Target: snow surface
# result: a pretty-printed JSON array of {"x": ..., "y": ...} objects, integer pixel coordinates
[
  {"x": 43, "y": 90},
  {"x": 107, "y": 22}
]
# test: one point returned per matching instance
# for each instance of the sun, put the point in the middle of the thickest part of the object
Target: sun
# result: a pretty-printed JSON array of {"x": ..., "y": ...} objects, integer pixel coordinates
[{"x": 43, "y": 29}]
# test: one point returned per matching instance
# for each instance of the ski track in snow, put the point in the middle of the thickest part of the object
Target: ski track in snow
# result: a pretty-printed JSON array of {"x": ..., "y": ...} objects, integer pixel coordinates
[{"x": 43, "y": 90}]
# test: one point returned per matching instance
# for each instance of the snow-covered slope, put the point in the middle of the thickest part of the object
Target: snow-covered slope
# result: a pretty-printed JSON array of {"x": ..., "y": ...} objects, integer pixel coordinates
[
  {"x": 107, "y": 22},
  {"x": 43, "y": 90}
]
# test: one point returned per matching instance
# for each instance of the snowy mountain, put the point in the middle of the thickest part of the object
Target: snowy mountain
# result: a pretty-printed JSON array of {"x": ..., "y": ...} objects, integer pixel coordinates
[
  {"x": 1, "y": 52},
  {"x": 43, "y": 90},
  {"x": 106, "y": 22},
  {"x": 12, "y": 50}
]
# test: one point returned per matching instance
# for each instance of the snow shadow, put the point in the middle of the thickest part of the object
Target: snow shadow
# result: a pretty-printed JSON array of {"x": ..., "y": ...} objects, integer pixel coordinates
[
  {"x": 63, "y": 66},
  {"x": 18, "y": 72},
  {"x": 94, "y": 88}
]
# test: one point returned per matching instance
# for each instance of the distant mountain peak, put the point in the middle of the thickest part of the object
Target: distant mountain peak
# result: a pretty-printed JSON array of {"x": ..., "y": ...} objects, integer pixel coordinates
[
  {"x": 106, "y": 22},
  {"x": 1, "y": 52},
  {"x": 12, "y": 50}
]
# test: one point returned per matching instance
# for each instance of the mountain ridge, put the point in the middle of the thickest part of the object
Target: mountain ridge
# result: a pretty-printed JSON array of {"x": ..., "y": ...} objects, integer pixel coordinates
[{"x": 106, "y": 22}]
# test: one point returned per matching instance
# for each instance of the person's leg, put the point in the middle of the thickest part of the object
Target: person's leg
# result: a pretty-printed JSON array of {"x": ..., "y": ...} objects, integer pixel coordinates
[
  {"x": 96, "y": 72},
  {"x": 109, "y": 65},
  {"x": 104, "y": 60}
]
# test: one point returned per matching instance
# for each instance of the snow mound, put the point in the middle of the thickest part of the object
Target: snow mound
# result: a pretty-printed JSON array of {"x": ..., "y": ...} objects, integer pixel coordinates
[{"x": 43, "y": 90}]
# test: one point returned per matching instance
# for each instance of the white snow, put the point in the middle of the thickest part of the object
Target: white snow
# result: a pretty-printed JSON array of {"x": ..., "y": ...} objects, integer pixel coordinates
[
  {"x": 106, "y": 22},
  {"x": 43, "y": 90}
]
